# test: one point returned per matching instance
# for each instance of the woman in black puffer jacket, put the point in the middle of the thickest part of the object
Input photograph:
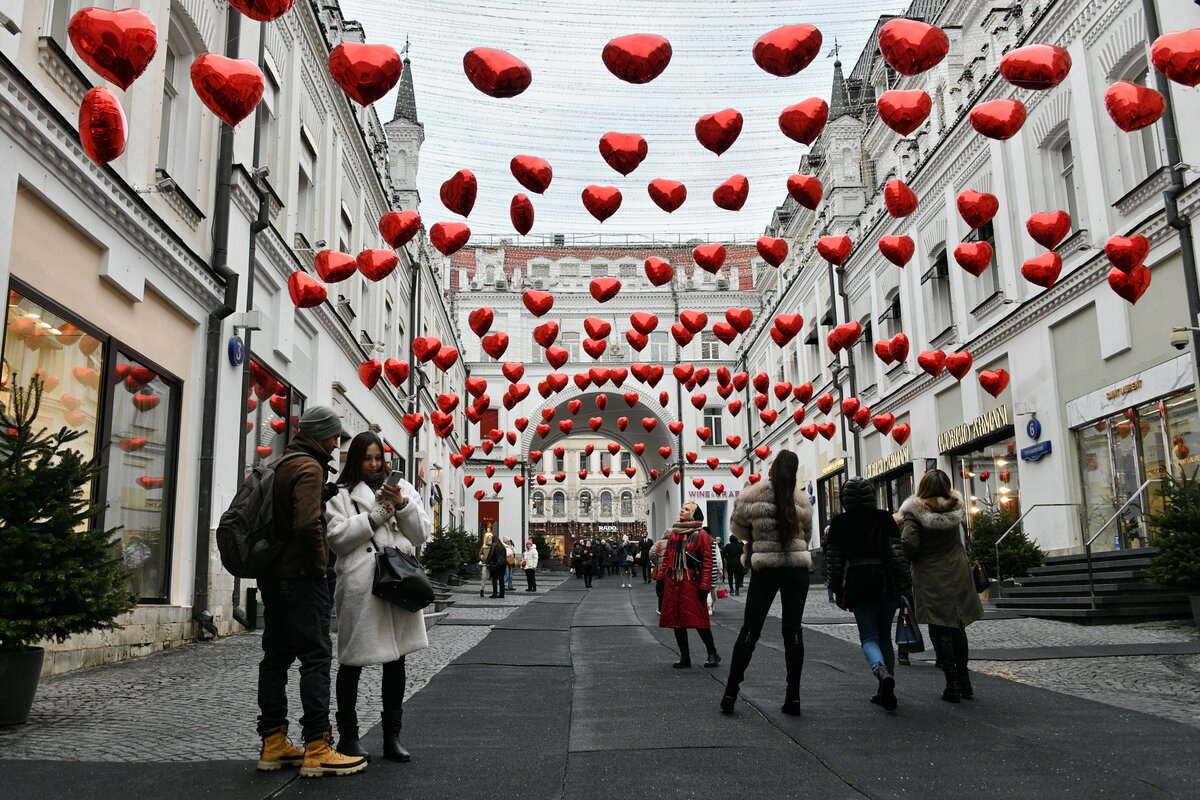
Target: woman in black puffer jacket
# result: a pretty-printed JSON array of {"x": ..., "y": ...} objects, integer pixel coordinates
[{"x": 867, "y": 572}]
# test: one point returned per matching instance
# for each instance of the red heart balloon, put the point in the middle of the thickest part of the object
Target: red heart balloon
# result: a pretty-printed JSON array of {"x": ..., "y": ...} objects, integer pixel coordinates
[
  {"x": 862, "y": 417},
  {"x": 532, "y": 172},
  {"x": 789, "y": 323},
  {"x": 1133, "y": 107},
  {"x": 263, "y": 10},
  {"x": 735, "y": 407},
  {"x": 901, "y": 432},
  {"x": 772, "y": 250},
  {"x": 496, "y": 73},
  {"x": 683, "y": 372},
  {"x": 911, "y": 46},
  {"x": 974, "y": 257},
  {"x": 804, "y": 121},
  {"x": 709, "y": 257},
  {"x": 977, "y": 208},
  {"x": 148, "y": 483},
  {"x": 495, "y": 344},
  {"x": 899, "y": 347},
  {"x": 399, "y": 227},
  {"x": 897, "y": 249},
  {"x": 850, "y": 405},
  {"x": 959, "y": 364},
  {"x": 412, "y": 422},
  {"x": 883, "y": 423},
  {"x": 131, "y": 444},
  {"x": 834, "y": 249},
  {"x": 305, "y": 290},
  {"x": 366, "y": 72},
  {"x": 998, "y": 119},
  {"x": 805, "y": 190},
  {"x": 740, "y": 319},
  {"x": 146, "y": 402},
  {"x": 827, "y": 429},
  {"x": 595, "y": 347},
  {"x": 103, "y": 130},
  {"x": 459, "y": 192},
  {"x": 725, "y": 332},
  {"x": 1129, "y": 285},
  {"x": 230, "y": 87},
  {"x": 1035, "y": 66},
  {"x": 118, "y": 45},
  {"x": 556, "y": 356},
  {"x": 604, "y": 289},
  {"x": 825, "y": 403},
  {"x": 397, "y": 372},
  {"x": 480, "y": 320},
  {"x": 1049, "y": 228},
  {"x": 1177, "y": 55},
  {"x": 993, "y": 381},
  {"x": 1126, "y": 253},
  {"x": 731, "y": 195},
  {"x": 904, "y": 111},
  {"x": 557, "y": 381},
  {"x": 449, "y": 237},
  {"x": 445, "y": 358},
  {"x": 520, "y": 211},
  {"x": 658, "y": 271},
  {"x": 718, "y": 131},
  {"x": 787, "y": 50},
  {"x": 597, "y": 328},
  {"x": 643, "y": 322},
  {"x": 932, "y": 362},
  {"x": 601, "y": 201},
  {"x": 899, "y": 199},
  {"x": 425, "y": 348},
  {"x": 1044, "y": 270},
  {"x": 369, "y": 372},
  {"x": 375, "y": 265},
  {"x": 667, "y": 195},
  {"x": 694, "y": 321},
  {"x": 637, "y": 58},
  {"x": 623, "y": 151},
  {"x": 333, "y": 266},
  {"x": 883, "y": 351}
]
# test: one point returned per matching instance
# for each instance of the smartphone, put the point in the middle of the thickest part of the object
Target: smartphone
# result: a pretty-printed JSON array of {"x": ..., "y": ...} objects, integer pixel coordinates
[{"x": 393, "y": 479}]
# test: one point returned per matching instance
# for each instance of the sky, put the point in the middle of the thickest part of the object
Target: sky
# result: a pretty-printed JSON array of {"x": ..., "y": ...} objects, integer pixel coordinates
[{"x": 574, "y": 100}]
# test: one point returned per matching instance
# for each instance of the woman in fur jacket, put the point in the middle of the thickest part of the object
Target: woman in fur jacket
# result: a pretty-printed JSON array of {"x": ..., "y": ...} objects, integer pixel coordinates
[
  {"x": 367, "y": 514},
  {"x": 943, "y": 592},
  {"x": 772, "y": 518},
  {"x": 686, "y": 575}
]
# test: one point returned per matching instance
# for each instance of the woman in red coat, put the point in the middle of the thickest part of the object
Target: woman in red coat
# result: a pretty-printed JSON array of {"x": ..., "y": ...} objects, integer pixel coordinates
[{"x": 686, "y": 575}]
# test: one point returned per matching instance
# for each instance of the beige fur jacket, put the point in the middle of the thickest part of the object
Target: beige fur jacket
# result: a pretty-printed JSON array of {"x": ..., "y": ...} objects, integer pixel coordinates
[{"x": 755, "y": 522}]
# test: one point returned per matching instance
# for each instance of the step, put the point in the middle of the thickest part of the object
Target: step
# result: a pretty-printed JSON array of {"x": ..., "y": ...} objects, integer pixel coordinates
[
  {"x": 1104, "y": 555},
  {"x": 1071, "y": 579},
  {"x": 1097, "y": 566},
  {"x": 441, "y": 604},
  {"x": 435, "y": 618},
  {"x": 1120, "y": 599},
  {"x": 1081, "y": 589},
  {"x": 1101, "y": 616}
]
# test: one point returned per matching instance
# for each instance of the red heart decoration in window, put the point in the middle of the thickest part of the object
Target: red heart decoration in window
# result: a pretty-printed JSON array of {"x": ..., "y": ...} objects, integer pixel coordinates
[
  {"x": 604, "y": 289},
  {"x": 495, "y": 344},
  {"x": 375, "y": 265},
  {"x": 459, "y": 191},
  {"x": 806, "y": 190},
  {"x": 103, "y": 129},
  {"x": 637, "y": 58},
  {"x": 132, "y": 444},
  {"x": 787, "y": 50},
  {"x": 278, "y": 403},
  {"x": 601, "y": 201},
  {"x": 1042, "y": 271},
  {"x": 772, "y": 250},
  {"x": 118, "y": 45},
  {"x": 897, "y": 249},
  {"x": 333, "y": 266},
  {"x": 623, "y": 151},
  {"x": 718, "y": 131},
  {"x": 899, "y": 199},
  {"x": 496, "y": 73},
  {"x": 520, "y": 212},
  {"x": 973, "y": 257},
  {"x": 1036, "y": 66},
  {"x": 532, "y": 172},
  {"x": 148, "y": 483},
  {"x": 998, "y": 119},
  {"x": 804, "y": 121},
  {"x": 1131, "y": 285},
  {"x": 959, "y": 364},
  {"x": 667, "y": 195},
  {"x": 834, "y": 249},
  {"x": 76, "y": 419},
  {"x": 1177, "y": 55},
  {"x": 366, "y": 72},
  {"x": 709, "y": 257},
  {"x": 1133, "y": 107},
  {"x": 993, "y": 382},
  {"x": 1049, "y": 228},
  {"x": 904, "y": 111},
  {"x": 731, "y": 195},
  {"x": 1126, "y": 253},
  {"x": 146, "y": 402},
  {"x": 911, "y": 46},
  {"x": 449, "y": 237},
  {"x": 977, "y": 208},
  {"x": 230, "y": 87},
  {"x": 305, "y": 290}
]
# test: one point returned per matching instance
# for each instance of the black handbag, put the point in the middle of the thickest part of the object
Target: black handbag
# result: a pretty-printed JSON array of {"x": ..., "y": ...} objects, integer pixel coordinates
[{"x": 399, "y": 578}]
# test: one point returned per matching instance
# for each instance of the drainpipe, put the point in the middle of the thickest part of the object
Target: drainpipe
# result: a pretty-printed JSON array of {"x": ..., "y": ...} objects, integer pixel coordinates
[
  {"x": 678, "y": 400},
  {"x": 1187, "y": 247},
  {"x": 212, "y": 355},
  {"x": 413, "y": 302},
  {"x": 841, "y": 289}
]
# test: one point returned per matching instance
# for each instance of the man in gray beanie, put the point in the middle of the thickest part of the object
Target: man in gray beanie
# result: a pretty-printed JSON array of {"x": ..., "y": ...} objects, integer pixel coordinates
[{"x": 296, "y": 606}]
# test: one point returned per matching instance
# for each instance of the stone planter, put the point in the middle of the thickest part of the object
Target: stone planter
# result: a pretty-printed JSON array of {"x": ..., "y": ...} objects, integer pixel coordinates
[{"x": 20, "y": 671}]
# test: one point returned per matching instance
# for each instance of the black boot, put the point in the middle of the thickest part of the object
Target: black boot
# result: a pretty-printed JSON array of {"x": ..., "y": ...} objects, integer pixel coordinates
[
  {"x": 685, "y": 653},
  {"x": 953, "y": 691},
  {"x": 392, "y": 749},
  {"x": 743, "y": 650},
  {"x": 964, "y": 685},
  {"x": 886, "y": 696},
  {"x": 348, "y": 742},
  {"x": 793, "y": 655}
]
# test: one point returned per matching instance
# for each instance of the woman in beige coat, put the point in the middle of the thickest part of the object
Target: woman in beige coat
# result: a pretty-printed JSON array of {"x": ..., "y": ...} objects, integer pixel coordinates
[{"x": 943, "y": 592}]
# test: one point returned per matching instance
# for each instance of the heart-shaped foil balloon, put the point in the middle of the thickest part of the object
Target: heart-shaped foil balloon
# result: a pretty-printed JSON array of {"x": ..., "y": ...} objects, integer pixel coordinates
[
  {"x": 998, "y": 119},
  {"x": 904, "y": 110},
  {"x": 834, "y": 249},
  {"x": 496, "y": 73},
  {"x": 977, "y": 208},
  {"x": 230, "y": 87},
  {"x": 369, "y": 372},
  {"x": 658, "y": 272},
  {"x": 1048, "y": 228},
  {"x": 718, "y": 131},
  {"x": 305, "y": 290},
  {"x": 333, "y": 266},
  {"x": 263, "y": 10},
  {"x": 623, "y": 151},
  {"x": 666, "y": 194},
  {"x": 449, "y": 237},
  {"x": 103, "y": 130},
  {"x": 709, "y": 257},
  {"x": 786, "y": 51},
  {"x": 899, "y": 199},
  {"x": 637, "y": 58},
  {"x": 458, "y": 193},
  {"x": 601, "y": 201},
  {"x": 375, "y": 265},
  {"x": 1126, "y": 253},
  {"x": 604, "y": 289},
  {"x": 806, "y": 190},
  {"x": 897, "y": 249},
  {"x": 911, "y": 46},
  {"x": 959, "y": 364},
  {"x": 1043, "y": 270},
  {"x": 994, "y": 381},
  {"x": 1036, "y": 66},
  {"x": 399, "y": 227},
  {"x": 1131, "y": 285},
  {"x": 366, "y": 72},
  {"x": 731, "y": 195},
  {"x": 772, "y": 250},
  {"x": 532, "y": 172},
  {"x": 974, "y": 257},
  {"x": 538, "y": 303},
  {"x": 1133, "y": 107},
  {"x": 118, "y": 45},
  {"x": 804, "y": 121},
  {"x": 1177, "y": 55}
]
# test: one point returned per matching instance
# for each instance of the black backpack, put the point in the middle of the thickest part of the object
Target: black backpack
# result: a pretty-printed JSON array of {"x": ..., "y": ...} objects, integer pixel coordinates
[{"x": 246, "y": 534}]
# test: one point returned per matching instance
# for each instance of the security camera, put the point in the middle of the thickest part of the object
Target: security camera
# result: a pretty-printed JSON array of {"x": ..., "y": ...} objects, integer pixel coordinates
[
  {"x": 262, "y": 172},
  {"x": 166, "y": 185},
  {"x": 319, "y": 244},
  {"x": 1180, "y": 338}
]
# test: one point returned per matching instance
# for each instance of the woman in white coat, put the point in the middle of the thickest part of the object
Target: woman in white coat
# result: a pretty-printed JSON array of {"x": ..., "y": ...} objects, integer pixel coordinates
[
  {"x": 368, "y": 513},
  {"x": 529, "y": 562}
]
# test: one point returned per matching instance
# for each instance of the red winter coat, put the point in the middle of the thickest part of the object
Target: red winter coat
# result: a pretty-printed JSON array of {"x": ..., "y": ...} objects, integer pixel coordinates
[{"x": 682, "y": 606}]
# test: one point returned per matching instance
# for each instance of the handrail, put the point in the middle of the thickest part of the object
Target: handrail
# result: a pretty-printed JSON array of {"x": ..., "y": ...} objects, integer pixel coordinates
[
  {"x": 1087, "y": 546},
  {"x": 1013, "y": 527}
]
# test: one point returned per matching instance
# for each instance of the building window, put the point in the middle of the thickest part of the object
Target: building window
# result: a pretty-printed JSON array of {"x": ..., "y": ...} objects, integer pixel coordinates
[
  {"x": 713, "y": 419},
  {"x": 891, "y": 322},
  {"x": 559, "y": 502},
  {"x": 268, "y": 154},
  {"x": 1063, "y": 165},
  {"x": 936, "y": 286},
  {"x": 710, "y": 346},
  {"x": 626, "y": 460},
  {"x": 626, "y": 504},
  {"x": 570, "y": 342},
  {"x": 1139, "y": 151},
  {"x": 272, "y": 413},
  {"x": 177, "y": 141},
  {"x": 606, "y": 504},
  {"x": 585, "y": 505},
  {"x": 988, "y": 283},
  {"x": 306, "y": 190},
  {"x": 865, "y": 356},
  {"x": 560, "y": 463},
  {"x": 537, "y": 501},
  {"x": 659, "y": 349}
]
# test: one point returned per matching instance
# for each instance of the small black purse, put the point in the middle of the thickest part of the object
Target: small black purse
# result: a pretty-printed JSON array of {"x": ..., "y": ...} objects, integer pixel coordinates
[{"x": 399, "y": 578}]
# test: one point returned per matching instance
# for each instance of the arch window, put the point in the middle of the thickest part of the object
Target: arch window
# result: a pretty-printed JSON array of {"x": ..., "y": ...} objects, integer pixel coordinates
[
  {"x": 538, "y": 501},
  {"x": 626, "y": 504},
  {"x": 560, "y": 504},
  {"x": 606, "y": 504},
  {"x": 585, "y": 504}
]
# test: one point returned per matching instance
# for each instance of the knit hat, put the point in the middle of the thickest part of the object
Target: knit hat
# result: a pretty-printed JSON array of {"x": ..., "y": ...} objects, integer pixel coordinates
[{"x": 320, "y": 423}]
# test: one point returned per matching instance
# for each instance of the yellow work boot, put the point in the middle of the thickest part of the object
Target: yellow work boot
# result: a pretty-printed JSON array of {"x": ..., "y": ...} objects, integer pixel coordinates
[
  {"x": 320, "y": 759},
  {"x": 278, "y": 752}
]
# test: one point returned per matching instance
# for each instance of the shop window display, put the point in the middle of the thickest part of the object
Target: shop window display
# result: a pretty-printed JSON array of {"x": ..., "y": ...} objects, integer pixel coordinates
[
  {"x": 988, "y": 479},
  {"x": 273, "y": 412}
]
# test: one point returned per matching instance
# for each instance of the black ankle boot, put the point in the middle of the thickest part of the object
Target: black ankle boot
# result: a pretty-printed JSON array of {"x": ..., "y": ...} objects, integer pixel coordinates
[
  {"x": 964, "y": 685},
  {"x": 682, "y": 663},
  {"x": 886, "y": 696},
  {"x": 953, "y": 691},
  {"x": 348, "y": 742},
  {"x": 392, "y": 749},
  {"x": 713, "y": 659}
]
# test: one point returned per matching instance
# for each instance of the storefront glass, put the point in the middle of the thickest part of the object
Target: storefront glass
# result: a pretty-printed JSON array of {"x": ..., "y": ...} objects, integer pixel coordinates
[
  {"x": 893, "y": 488},
  {"x": 829, "y": 498},
  {"x": 988, "y": 478},
  {"x": 273, "y": 412}
]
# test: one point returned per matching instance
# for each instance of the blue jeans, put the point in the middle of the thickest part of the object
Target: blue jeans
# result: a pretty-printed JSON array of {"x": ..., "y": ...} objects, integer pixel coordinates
[
  {"x": 875, "y": 634},
  {"x": 508, "y": 570}
]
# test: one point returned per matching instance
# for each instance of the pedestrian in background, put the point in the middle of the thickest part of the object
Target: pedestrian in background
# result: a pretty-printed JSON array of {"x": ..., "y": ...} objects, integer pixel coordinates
[
  {"x": 529, "y": 562},
  {"x": 687, "y": 571},
  {"x": 625, "y": 555},
  {"x": 866, "y": 570},
  {"x": 772, "y": 519},
  {"x": 485, "y": 547},
  {"x": 370, "y": 513},
  {"x": 497, "y": 563},
  {"x": 943, "y": 591},
  {"x": 510, "y": 561},
  {"x": 734, "y": 571},
  {"x": 644, "y": 557},
  {"x": 587, "y": 562},
  {"x": 577, "y": 560}
]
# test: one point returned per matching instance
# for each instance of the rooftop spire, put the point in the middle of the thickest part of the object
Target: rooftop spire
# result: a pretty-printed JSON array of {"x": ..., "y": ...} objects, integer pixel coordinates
[
  {"x": 839, "y": 102},
  {"x": 406, "y": 98}
]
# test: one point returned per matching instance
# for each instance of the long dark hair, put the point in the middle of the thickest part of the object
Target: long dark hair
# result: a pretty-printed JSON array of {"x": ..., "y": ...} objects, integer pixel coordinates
[
  {"x": 352, "y": 473},
  {"x": 783, "y": 484},
  {"x": 934, "y": 483}
]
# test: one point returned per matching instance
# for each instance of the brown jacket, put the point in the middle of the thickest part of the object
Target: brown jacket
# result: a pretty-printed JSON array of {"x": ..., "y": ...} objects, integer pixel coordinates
[{"x": 300, "y": 510}]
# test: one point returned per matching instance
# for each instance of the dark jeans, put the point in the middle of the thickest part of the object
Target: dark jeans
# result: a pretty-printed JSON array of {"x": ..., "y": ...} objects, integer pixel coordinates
[
  {"x": 295, "y": 626},
  {"x": 950, "y": 645},
  {"x": 589, "y": 571},
  {"x": 735, "y": 579},
  {"x": 792, "y": 584},
  {"x": 497, "y": 574},
  {"x": 646, "y": 568},
  {"x": 681, "y": 640},
  {"x": 531, "y": 579},
  {"x": 394, "y": 679}
]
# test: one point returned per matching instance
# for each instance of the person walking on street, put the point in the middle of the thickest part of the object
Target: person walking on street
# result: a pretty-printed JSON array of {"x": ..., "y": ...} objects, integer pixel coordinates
[
  {"x": 371, "y": 512},
  {"x": 587, "y": 562},
  {"x": 644, "y": 557},
  {"x": 734, "y": 572},
  {"x": 497, "y": 561},
  {"x": 295, "y": 597},
  {"x": 484, "y": 548},
  {"x": 867, "y": 572},
  {"x": 510, "y": 562},
  {"x": 772, "y": 519},
  {"x": 944, "y": 594},
  {"x": 625, "y": 553},
  {"x": 529, "y": 562},
  {"x": 577, "y": 560},
  {"x": 687, "y": 571}
]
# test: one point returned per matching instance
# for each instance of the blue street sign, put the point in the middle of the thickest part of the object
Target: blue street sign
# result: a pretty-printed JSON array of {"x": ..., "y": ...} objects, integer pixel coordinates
[{"x": 1036, "y": 452}]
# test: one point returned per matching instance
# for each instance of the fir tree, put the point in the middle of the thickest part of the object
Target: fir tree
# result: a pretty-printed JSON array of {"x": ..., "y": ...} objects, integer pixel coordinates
[
  {"x": 1017, "y": 553},
  {"x": 1177, "y": 535},
  {"x": 60, "y": 574}
]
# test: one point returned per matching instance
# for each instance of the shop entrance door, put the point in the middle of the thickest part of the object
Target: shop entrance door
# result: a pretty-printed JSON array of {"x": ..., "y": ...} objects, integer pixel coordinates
[
  {"x": 714, "y": 520},
  {"x": 489, "y": 515}
]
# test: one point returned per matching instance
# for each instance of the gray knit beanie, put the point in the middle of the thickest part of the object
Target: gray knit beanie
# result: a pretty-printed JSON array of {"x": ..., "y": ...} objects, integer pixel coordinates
[{"x": 320, "y": 423}]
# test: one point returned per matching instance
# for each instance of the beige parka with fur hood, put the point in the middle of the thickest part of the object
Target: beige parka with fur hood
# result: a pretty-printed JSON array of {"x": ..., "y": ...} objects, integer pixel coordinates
[
  {"x": 756, "y": 524},
  {"x": 943, "y": 591}
]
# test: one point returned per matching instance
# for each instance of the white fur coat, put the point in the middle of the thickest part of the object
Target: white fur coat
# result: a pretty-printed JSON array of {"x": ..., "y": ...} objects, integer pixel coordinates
[
  {"x": 370, "y": 629},
  {"x": 756, "y": 524}
]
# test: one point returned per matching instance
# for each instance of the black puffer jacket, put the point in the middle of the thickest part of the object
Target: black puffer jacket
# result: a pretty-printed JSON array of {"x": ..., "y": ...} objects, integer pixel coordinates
[{"x": 864, "y": 559}]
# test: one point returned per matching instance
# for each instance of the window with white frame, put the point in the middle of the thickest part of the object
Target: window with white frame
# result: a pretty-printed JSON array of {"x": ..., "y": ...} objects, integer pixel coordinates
[
  {"x": 627, "y": 503},
  {"x": 306, "y": 190},
  {"x": 570, "y": 342},
  {"x": 626, "y": 460},
  {"x": 560, "y": 463},
  {"x": 177, "y": 140},
  {"x": 1140, "y": 151},
  {"x": 659, "y": 349},
  {"x": 606, "y": 504},
  {"x": 712, "y": 419},
  {"x": 585, "y": 504},
  {"x": 988, "y": 283},
  {"x": 268, "y": 121},
  {"x": 1062, "y": 174},
  {"x": 345, "y": 232},
  {"x": 710, "y": 346},
  {"x": 891, "y": 322},
  {"x": 537, "y": 501},
  {"x": 559, "y": 502},
  {"x": 865, "y": 356},
  {"x": 935, "y": 284}
]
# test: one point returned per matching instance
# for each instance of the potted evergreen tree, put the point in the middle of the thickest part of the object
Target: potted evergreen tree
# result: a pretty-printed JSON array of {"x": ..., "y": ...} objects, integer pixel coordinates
[
  {"x": 60, "y": 574},
  {"x": 1177, "y": 537},
  {"x": 1018, "y": 553},
  {"x": 441, "y": 555}
]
